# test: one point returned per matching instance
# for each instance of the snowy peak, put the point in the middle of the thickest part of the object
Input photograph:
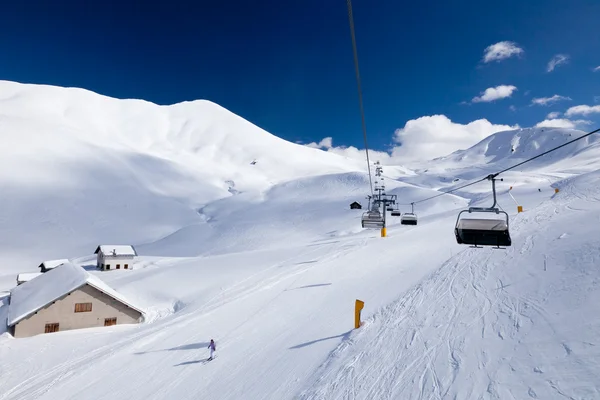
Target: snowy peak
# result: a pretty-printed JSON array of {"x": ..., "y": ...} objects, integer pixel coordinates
[
  {"x": 509, "y": 147},
  {"x": 206, "y": 139}
]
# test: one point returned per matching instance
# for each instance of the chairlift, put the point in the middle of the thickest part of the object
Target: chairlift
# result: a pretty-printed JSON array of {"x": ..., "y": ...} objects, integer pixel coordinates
[
  {"x": 395, "y": 213},
  {"x": 483, "y": 232},
  {"x": 409, "y": 218},
  {"x": 372, "y": 219}
]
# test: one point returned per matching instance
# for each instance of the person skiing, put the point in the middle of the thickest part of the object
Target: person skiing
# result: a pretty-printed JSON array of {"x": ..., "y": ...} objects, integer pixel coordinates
[{"x": 212, "y": 348}]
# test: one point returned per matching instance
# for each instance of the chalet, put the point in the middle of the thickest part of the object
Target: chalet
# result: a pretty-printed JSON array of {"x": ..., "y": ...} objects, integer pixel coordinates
[
  {"x": 48, "y": 265},
  {"x": 355, "y": 206},
  {"x": 26, "y": 277},
  {"x": 115, "y": 256},
  {"x": 65, "y": 298}
]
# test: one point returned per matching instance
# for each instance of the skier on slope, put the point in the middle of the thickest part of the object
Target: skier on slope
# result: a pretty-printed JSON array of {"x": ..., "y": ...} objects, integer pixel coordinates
[{"x": 212, "y": 348}]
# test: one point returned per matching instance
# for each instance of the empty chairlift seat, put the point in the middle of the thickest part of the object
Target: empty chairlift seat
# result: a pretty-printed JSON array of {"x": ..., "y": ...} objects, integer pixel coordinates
[
  {"x": 482, "y": 232},
  {"x": 408, "y": 219},
  {"x": 372, "y": 220},
  {"x": 395, "y": 213}
]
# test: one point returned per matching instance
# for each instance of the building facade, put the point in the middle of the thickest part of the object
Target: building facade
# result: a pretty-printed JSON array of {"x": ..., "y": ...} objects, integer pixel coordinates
[
  {"x": 65, "y": 298},
  {"x": 115, "y": 257},
  {"x": 86, "y": 307}
]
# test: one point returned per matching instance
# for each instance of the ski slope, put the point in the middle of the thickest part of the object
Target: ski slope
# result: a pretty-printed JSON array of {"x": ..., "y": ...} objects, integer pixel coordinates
[
  {"x": 516, "y": 323},
  {"x": 268, "y": 260}
]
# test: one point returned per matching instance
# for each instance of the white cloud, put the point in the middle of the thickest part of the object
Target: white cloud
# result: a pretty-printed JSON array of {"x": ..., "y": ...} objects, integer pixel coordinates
[
  {"x": 436, "y": 136},
  {"x": 561, "y": 123},
  {"x": 556, "y": 61},
  {"x": 491, "y": 94},
  {"x": 582, "y": 110},
  {"x": 423, "y": 138},
  {"x": 501, "y": 51},
  {"x": 512, "y": 108},
  {"x": 350, "y": 152},
  {"x": 326, "y": 143},
  {"x": 544, "y": 101},
  {"x": 553, "y": 115},
  {"x": 597, "y": 69}
]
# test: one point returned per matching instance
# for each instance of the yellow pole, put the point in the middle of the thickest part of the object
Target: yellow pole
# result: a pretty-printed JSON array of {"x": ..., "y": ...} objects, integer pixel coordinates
[
  {"x": 519, "y": 209},
  {"x": 383, "y": 231},
  {"x": 357, "y": 309}
]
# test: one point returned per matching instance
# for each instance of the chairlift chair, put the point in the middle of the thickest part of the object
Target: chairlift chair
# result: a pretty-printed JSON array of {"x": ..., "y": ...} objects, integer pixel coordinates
[
  {"x": 483, "y": 232},
  {"x": 372, "y": 220},
  {"x": 395, "y": 213},
  {"x": 409, "y": 218}
]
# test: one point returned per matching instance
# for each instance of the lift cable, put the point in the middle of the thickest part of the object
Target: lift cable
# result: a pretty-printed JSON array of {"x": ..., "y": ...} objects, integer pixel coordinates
[
  {"x": 492, "y": 176},
  {"x": 360, "y": 100},
  {"x": 449, "y": 191}
]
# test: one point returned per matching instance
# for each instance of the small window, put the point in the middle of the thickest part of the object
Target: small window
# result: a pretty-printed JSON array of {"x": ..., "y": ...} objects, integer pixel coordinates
[
  {"x": 83, "y": 307},
  {"x": 110, "y": 321},
  {"x": 118, "y": 266},
  {"x": 126, "y": 266},
  {"x": 51, "y": 328},
  {"x": 107, "y": 266}
]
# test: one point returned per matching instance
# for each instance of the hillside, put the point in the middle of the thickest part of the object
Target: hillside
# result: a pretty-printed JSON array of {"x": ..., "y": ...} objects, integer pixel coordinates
[
  {"x": 519, "y": 323},
  {"x": 268, "y": 260},
  {"x": 79, "y": 169},
  {"x": 507, "y": 148}
]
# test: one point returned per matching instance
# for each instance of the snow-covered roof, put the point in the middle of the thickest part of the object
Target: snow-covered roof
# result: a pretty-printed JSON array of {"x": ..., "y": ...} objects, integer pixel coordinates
[
  {"x": 53, "y": 263},
  {"x": 31, "y": 296},
  {"x": 27, "y": 276},
  {"x": 119, "y": 249}
]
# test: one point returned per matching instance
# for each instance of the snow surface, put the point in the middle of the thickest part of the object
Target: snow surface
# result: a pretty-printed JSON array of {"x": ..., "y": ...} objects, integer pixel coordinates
[{"x": 268, "y": 260}]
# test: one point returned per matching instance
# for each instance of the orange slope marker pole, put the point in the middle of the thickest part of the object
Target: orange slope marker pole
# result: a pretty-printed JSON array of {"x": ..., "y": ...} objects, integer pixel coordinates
[{"x": 357, "y": 309}]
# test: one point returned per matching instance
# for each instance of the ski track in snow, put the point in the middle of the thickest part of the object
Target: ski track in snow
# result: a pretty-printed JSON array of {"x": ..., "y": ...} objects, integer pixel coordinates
[
  {"x": 471, "y": 329},
  {"x": 39, "y": 384},
  {"x": 267, "y": 259}
]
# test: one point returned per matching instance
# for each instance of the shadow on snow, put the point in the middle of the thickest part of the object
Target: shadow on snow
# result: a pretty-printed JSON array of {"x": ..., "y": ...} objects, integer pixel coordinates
[
  {"x": 344, "y": 336},
  {"x": 190, "y": 346}
]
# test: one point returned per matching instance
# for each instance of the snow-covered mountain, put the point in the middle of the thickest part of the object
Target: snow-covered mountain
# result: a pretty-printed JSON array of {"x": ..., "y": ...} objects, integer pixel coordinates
[
  {"x": 249, "y": 239},
  {"x": 504, "y": 149},
  {"x": 77, "y": 168}
]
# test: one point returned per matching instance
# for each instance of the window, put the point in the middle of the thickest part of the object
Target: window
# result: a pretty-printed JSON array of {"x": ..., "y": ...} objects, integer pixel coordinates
[
  {"x": 107, "y": 266},
  {"x": 83, "y": 307},
  {"x": 110, "y": 321},
  {"x": 126, "y": 266},
  {"x": 51, "y": 328},
  {"x": 118, "y": 266}
]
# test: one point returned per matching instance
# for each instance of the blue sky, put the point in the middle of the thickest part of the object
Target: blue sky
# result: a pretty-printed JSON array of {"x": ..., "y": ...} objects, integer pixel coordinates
[{"x": 288, "y": 66}]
